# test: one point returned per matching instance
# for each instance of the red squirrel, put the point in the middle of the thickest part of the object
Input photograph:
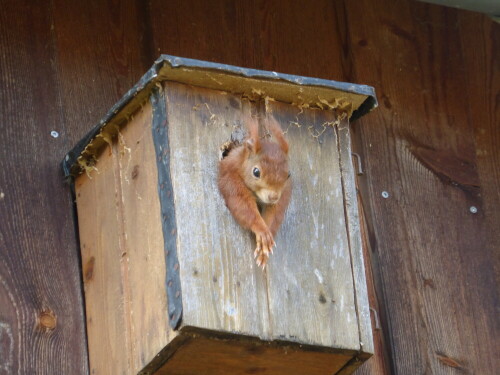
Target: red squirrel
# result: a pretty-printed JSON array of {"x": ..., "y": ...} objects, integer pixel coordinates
[{"x": 255, "y": 174}]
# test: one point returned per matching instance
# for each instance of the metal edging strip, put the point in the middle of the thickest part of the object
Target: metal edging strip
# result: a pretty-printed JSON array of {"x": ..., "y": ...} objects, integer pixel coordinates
[
  {"x": 165, "y": 191},
  {"x": 151, "y": 77}
]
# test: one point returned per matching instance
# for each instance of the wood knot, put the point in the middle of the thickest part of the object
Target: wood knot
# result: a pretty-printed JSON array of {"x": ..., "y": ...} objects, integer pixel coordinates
[
  {"x": 47, "y": 320},
  {"x": 135, "y": 172},
  {"x": 236, "y": 104},
  {"x": 450, "y": 362},
  {"x": 88, "y": 270},
  {"x": 322, "y": 298},
  {"x": 387, "y": 102},
  {"x": 429, "y": 283},
  {"x": 255, "y": 349},
  {"x": 256, "y": 370}
]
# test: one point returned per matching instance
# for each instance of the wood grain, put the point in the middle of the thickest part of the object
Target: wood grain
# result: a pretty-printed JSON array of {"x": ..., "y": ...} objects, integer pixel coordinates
[
  {"x": 353, "y": 224},
  {"x": 425, "y": 234},
  {"x": 380, "y": 361},
  {"x": 145, "y": 256},
  {"x": 307, "y": 293},
  {"x": 102, "y": 248},
  {"x": 249, "y": 358},
  {"x": 64, "y": 64},
  {"x": 310, "y": 277},
  {"x": 222, "y": 290},
  {"x": 41, "y": 311},
  {"x": 122, "y": 253},
  {"x": 99, "y": 57},
  {"x": 481, "y": 39},
  {"x": 276, "y": 35}
]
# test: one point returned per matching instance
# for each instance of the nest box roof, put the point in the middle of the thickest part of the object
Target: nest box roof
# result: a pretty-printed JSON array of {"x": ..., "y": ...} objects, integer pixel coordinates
[{"x": 355, "y": 99}]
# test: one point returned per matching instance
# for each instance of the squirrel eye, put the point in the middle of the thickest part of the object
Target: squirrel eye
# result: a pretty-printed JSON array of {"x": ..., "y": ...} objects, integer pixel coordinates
[{"x": 256, "y": 172}]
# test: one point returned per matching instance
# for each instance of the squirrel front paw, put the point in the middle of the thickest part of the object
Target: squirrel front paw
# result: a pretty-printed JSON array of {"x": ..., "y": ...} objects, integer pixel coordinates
[{"x": 265, "y": 243}]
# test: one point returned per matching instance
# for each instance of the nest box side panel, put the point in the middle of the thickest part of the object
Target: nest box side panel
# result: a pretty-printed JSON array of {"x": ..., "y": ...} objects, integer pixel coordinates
[
  {"x": 311, "y": 293},
  {"x": 144, "y": 254},
  {"x": 222, "y": 289},
  {"x": 101, "y": 249},
  {"x": 122, "y": 252},
  {"x": 355, "y": 241}
]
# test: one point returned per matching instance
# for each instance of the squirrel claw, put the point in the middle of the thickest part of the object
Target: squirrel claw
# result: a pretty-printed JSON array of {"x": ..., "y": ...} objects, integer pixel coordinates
[
  {"x": 261, "y": 258},
  {"x": 265, "y": 243}
]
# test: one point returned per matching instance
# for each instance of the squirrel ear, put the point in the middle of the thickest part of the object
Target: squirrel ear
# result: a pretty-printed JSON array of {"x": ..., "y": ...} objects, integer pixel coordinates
[
  {"x": 252, "y": 145},
  {"x": 252, "y": 142},
  {"x": 249, "y": 144},
  {"x": 275, "y": 129}
]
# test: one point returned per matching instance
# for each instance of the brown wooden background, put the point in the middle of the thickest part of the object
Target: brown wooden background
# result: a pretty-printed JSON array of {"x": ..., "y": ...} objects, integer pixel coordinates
[{"x": 433, "y": 145}]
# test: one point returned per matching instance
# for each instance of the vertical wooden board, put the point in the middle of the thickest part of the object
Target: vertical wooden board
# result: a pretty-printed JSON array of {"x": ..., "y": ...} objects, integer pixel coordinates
[
  {"x": 310, "y": 284},
  {"x": 42, "y": 327},
  {"x": 354, "y": 233},
  {"x": 480, "y": 38},
  {"x": 222, "y": 288},
  {"x": 101, "y": 53},
  {"x": 260, "y": 35},
  {"x": 379, "y": 363},
  {"x": 102, "y": 261},
  {"x": 419, "y": 147},
  {"x": 483, "y": 84},
  {"x": 145, "y": 278}
]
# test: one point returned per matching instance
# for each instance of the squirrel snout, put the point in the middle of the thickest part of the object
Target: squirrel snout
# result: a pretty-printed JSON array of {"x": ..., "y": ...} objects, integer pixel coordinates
[
  {"x": 268, "y": 196},
  {"x": 273, "y": 197}
]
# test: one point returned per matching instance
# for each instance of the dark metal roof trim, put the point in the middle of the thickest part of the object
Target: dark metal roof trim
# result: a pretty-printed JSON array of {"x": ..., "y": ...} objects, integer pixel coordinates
[
  {"x": 168, "y": 220},
  {"x": 178, "y": 62},
  {"x": 153, "y": 76}
]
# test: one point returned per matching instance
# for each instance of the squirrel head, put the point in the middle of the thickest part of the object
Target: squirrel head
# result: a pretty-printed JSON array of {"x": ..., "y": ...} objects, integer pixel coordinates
[{"x": 265, "y": 170}]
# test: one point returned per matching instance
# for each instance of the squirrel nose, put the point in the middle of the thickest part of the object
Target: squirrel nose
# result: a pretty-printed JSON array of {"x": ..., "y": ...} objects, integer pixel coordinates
[{"x": 273, "y": 197}]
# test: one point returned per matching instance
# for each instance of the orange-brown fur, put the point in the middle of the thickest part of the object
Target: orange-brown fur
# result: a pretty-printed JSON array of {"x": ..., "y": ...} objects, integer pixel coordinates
[{"x": 243, "y": 192}]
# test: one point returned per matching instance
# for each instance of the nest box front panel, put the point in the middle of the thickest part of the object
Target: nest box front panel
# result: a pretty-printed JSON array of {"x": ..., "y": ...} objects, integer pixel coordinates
[
  {"x": 306, "y": 293},
  {"x": 222, "y": 290}
]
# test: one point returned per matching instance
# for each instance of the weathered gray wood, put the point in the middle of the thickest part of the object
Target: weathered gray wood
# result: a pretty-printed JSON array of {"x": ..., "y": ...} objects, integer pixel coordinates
[
  {"x": 306, "y": 294},
  {"x": 222, "y": 288},
  {"x": 311, "y": 296},
  {"x": 355, "y": 244}
]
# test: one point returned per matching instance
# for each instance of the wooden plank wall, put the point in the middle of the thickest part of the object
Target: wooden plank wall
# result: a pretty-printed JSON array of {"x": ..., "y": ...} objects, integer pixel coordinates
[{"x": 433, "y": 145}]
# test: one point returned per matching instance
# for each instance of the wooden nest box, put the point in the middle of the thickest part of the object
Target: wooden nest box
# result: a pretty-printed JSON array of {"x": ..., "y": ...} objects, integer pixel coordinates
[{"x": 171, "y": 286}]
